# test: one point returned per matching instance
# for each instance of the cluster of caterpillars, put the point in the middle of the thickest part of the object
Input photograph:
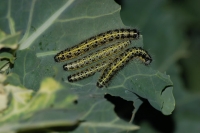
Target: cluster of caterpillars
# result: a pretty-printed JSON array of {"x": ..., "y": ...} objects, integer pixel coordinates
[{"x": 113, "y": 58}]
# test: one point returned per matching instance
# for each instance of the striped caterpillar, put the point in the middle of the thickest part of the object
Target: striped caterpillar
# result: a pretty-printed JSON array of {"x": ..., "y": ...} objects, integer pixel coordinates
[
  {"x": 120, "y": 62},
  {"x": 100, "y": 54},
  {"x": 96, "y": 41},
  {"x": 88, "y": 72}
]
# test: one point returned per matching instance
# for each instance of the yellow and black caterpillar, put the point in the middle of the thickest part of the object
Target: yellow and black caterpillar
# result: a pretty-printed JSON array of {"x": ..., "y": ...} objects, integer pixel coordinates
[
  {"x": 119, "y": 62},
  {"x": 88, "y": 72},
  {"x": 98, "y": 55},
  {"x": 96, "y": 41}
]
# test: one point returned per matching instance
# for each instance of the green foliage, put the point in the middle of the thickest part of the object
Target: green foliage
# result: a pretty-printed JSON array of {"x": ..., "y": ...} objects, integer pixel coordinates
[
  {"x": 40, "y": 97},
  {"x": 171, "y": 31},
  {"x": 7, "y": 41}
]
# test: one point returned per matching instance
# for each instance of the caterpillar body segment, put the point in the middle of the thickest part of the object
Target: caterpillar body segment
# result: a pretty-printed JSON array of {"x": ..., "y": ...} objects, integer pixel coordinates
[
  {"x": 96, "y": 41},
  {"x": 121, "y": 61},
  {"x": 87, "y": 72},
  {"x": 98, "y": 55}
]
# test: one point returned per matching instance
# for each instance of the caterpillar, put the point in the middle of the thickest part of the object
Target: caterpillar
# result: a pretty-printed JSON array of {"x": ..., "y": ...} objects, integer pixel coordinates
[
  {"x": 100, "y": 54},
  {"x": 96, "y": 41},
  {"x": 88, "y": 72},
  {"x": 121, "y": 61}
]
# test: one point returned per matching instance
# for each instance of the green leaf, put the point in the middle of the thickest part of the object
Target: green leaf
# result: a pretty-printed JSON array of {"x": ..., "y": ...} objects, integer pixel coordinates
[
  {"x": 6, "y": 55},
  {"x": 136, "y": 78},
  {"x": 165, "y": 26},
  {"x": 13, "y": 79},
  {"x": 52, "y": 26},
  {"x": 3, "y": 94},
  {"x": 53, "y": 107},
  {"x": 169, "y": 101},
  {"x": 9, "y": 41},
  {"x": 3, "y": 63},
  {"x": 25, "y": 106}
]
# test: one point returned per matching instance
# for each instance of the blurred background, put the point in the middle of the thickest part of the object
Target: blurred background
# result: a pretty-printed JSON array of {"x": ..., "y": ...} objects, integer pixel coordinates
[{"x": 171, "y": 33}]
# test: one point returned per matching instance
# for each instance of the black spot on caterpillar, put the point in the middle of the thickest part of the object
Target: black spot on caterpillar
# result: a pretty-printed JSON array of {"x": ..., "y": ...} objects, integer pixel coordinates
[
  {"x": 120, "y": 62},
  {"x": 96, "y": 41},
  {"x": 88, "y": 72},
  {"x": 100, "y": 54}
]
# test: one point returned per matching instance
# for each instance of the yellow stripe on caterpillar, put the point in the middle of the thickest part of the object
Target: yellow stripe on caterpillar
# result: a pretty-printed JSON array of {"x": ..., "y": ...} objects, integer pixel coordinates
[
  {"x": 96, "y": 41},
  {"x": 121, "y": 61},
  {"x": 100, "y": 54},
  {"x": 88, "y": 72}
]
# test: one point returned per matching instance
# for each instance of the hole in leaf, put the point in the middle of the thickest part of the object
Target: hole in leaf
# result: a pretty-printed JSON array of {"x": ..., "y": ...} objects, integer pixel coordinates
[{"x": 122, "y": 108}]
